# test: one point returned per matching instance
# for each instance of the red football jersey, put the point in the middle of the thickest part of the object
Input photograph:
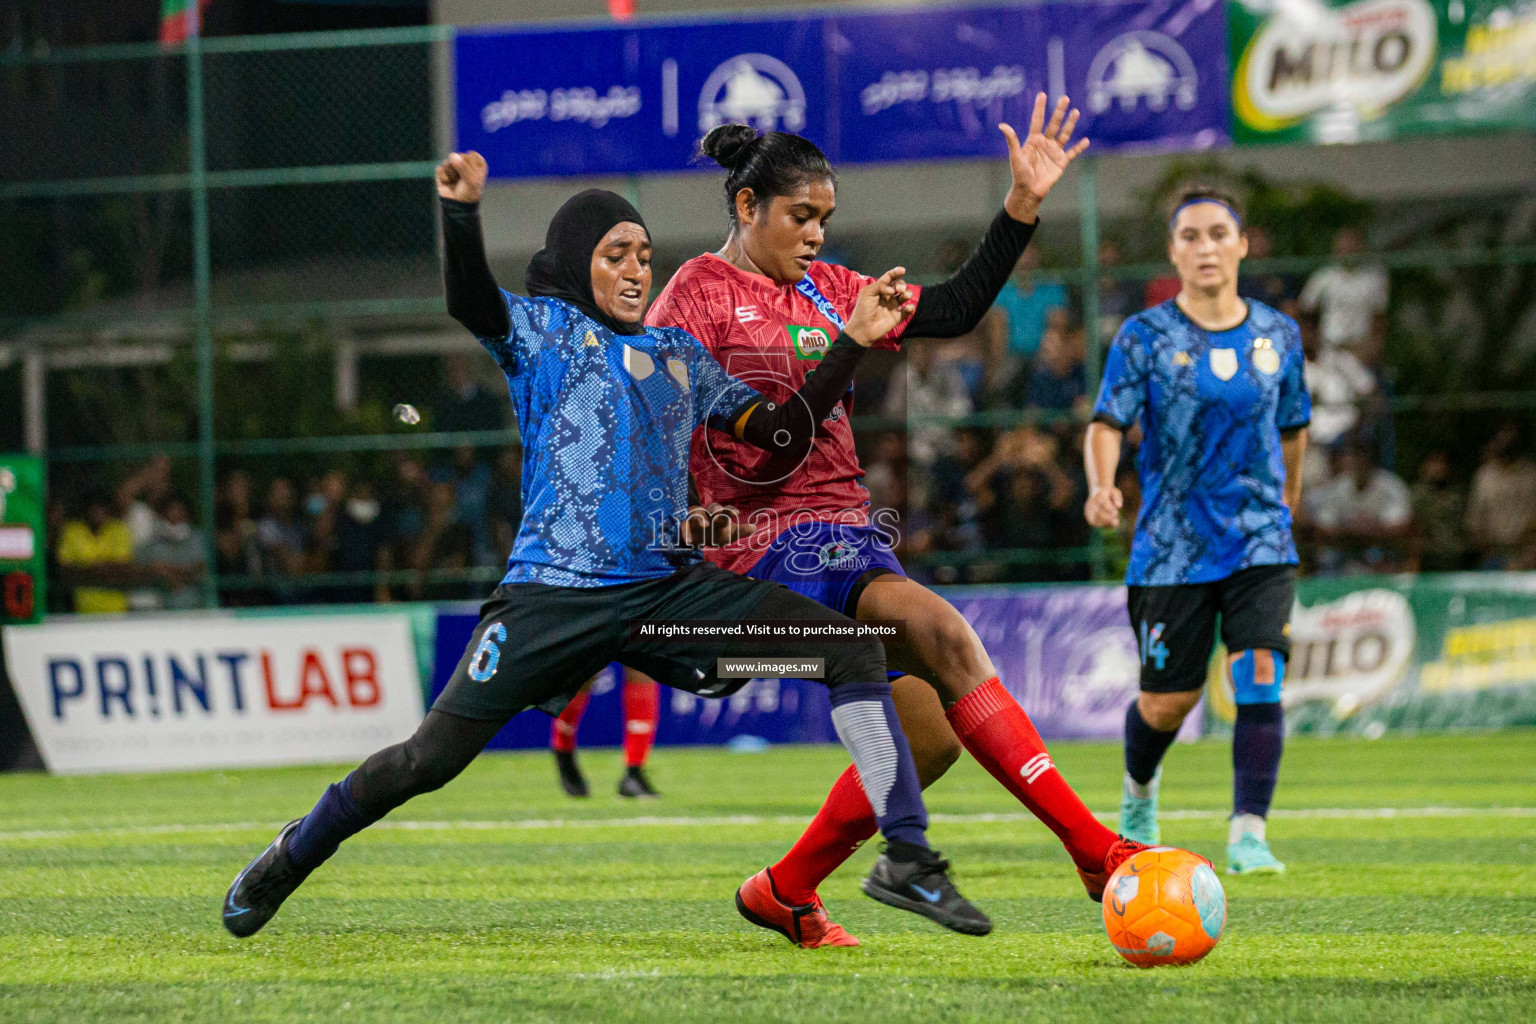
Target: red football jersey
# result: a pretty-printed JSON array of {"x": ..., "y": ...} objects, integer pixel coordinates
[{"x": 769, "y": 335}]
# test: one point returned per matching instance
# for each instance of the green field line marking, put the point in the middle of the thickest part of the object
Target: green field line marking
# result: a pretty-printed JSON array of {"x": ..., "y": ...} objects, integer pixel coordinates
[{"x": 688, "y": 821}]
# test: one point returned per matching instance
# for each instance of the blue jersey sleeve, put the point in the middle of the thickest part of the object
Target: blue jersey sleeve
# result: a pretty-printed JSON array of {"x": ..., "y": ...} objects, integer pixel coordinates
[
  {"x": 1294, "y": 409},
  {"x": 1123, "y": 392},
  {"x": 525, "y": 319},
  {"x": 718, "y": 397}
]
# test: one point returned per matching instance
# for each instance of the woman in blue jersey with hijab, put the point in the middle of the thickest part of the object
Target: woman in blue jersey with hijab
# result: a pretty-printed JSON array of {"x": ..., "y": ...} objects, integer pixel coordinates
[{"x": 1216, "y": 383}]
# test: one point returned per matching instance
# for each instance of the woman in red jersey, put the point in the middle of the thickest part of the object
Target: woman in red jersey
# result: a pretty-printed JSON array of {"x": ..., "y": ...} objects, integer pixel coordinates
[{"x": 766, "y": 308}]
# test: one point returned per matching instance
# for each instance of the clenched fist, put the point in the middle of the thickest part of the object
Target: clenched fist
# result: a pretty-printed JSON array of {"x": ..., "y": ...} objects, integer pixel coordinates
[
  {"x": 462, "y": 177},
  {"x": 1103, "y": 506}
]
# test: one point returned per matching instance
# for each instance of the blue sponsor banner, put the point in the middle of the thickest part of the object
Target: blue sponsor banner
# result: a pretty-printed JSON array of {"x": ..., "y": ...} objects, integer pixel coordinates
[
  {"x": 905, "y": 85},
  {"x": 918, "y": 85},
  {"x": 1145, "y": 75},
  {"x": 622, "y": 100},
  {"x": 777, "y": 710}
]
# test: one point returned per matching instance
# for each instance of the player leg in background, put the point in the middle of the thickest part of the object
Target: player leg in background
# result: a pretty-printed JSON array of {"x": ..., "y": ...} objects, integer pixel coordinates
[
  {"x": 1175, "y": 628},
  {"x": 562, "y": 741},
  {"x": 1258, "y": 738},
  {"x": 980, "y": 715},
  {"x": 1255, "y": 620},
  {"x": 642, "y": 710}
]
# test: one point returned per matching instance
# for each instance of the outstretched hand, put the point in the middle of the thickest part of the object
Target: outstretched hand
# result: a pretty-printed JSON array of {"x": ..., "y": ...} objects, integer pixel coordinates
[
  {"x": 1038, "y": 162},
  {"x": 882, "y": 306},
  {"x": 462, "y": 177}
]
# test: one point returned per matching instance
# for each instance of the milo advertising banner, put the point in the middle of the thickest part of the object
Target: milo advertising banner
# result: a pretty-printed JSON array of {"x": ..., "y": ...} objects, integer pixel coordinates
[
  {"x": 1372, "y": 655},
  {"x": 1323, "y": 71},
  {"x": 21, "y": 539}
]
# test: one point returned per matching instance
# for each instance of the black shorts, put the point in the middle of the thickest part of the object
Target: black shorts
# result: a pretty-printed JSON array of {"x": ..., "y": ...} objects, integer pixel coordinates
[
  {"x": 537, "y": 644},
  {"x": 1176, "y": 625}
]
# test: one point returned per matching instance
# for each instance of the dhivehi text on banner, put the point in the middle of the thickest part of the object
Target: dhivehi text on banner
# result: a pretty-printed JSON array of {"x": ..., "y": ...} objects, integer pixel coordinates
[
  {"x": 1322, "y": 71},
  {"x": 151, "y": 694},
  {"x": 914, "y": 84}
]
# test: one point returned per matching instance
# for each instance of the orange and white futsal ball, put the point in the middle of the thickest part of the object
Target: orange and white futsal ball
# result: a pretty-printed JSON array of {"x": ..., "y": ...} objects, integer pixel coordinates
[{"x": 1164, "y": 906}]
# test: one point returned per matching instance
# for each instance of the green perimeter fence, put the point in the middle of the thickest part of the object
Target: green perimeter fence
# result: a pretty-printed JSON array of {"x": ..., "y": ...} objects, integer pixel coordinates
[{"x": 225, "y": 253}]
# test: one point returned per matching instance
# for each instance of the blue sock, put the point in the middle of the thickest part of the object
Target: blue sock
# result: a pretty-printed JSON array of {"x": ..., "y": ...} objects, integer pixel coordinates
[
  {"x": 865, "y": 719},
  {"x": 334, "y": 818},
  {"x": 1257, "y": 741},
  {"x": 1144, "y": 746}
]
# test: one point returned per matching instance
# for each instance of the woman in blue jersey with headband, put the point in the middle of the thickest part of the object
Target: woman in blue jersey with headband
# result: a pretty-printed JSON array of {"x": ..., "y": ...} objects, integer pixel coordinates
[{"x": 1216, "y": 382}]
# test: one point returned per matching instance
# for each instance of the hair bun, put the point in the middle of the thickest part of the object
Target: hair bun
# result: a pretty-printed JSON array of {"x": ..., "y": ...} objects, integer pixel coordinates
[{"x": 727, "y": 144}]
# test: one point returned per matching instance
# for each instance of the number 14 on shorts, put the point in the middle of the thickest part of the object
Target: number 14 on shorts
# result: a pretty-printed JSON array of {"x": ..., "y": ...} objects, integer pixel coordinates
[{"x": 1151, "y": 644}]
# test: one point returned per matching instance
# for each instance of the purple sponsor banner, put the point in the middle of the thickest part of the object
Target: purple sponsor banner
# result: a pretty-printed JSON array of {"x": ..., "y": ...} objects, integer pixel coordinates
[
  {"x": 776, "y": 710},
  {"x": 1067, "y": 654}
]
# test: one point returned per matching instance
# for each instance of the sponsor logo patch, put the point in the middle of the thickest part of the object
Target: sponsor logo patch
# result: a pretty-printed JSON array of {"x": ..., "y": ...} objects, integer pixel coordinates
[{"x": 809, "y": 342}]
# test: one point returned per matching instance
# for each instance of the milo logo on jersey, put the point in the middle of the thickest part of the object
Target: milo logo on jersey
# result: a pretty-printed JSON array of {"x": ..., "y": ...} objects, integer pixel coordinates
[{"x": 809, "y": 342}]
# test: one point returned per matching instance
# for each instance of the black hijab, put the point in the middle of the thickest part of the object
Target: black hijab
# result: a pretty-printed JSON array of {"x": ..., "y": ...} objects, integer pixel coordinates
[{"x": 563, "y": 268}]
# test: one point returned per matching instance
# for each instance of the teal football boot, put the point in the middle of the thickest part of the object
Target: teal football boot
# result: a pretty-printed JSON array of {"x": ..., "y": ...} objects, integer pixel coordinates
[
  {"x": 1138, "y": 815},
  {"x": 1250, "y": 855}
]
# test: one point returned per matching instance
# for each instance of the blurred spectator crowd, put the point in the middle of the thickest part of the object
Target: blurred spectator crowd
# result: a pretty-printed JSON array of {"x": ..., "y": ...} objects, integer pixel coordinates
[
  {"x": 984, "y": 494},
  {"x": 1009, "y": 501}
]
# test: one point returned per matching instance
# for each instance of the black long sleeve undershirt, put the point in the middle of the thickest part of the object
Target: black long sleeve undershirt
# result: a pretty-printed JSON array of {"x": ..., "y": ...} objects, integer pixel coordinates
[
  {"x": 955, "y": 307},
  {"x": 786, "y": 428},
  {"x": 474, "y": 300}
]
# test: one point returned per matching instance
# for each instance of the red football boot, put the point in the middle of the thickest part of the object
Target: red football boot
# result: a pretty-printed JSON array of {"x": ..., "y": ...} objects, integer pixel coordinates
[
  {"x": 807, "y": 926},
  {"x": 1123, "y": 850}
]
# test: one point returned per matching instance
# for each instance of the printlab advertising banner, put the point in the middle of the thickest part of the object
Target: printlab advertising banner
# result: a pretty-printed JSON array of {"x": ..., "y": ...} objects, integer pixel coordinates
[
  {"x": 1325, "y": 71},
  {"x": 896, "y": 85},
  {"x": 156, "y": 694}
]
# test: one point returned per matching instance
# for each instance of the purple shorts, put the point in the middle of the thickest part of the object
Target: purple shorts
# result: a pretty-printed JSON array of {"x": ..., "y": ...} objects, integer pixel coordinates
[{"x": 828, "y": 562}]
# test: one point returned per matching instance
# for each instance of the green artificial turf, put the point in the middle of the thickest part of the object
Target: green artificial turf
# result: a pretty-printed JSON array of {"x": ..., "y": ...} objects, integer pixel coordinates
[{"x": 510, "y": 902}]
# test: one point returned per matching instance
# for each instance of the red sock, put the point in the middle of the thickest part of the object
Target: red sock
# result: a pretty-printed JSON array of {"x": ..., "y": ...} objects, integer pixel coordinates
[
  {"x": 562, "y": 733},
  {"x": 642, "y": 708},
  {"x": 1000, "y": 735},
  {"x": 842, "y": 825}
]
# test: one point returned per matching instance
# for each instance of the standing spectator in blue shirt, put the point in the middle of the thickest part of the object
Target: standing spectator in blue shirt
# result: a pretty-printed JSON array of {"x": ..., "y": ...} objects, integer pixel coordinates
[
  {"x": 1027, "y": 304},
  {"x": 1059, "y": 382}
]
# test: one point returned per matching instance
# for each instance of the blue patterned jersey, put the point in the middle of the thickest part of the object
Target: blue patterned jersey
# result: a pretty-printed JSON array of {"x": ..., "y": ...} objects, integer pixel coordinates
[
  {"x": 607, "y": 421},
  {"x": 1212, "y": 405}
]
